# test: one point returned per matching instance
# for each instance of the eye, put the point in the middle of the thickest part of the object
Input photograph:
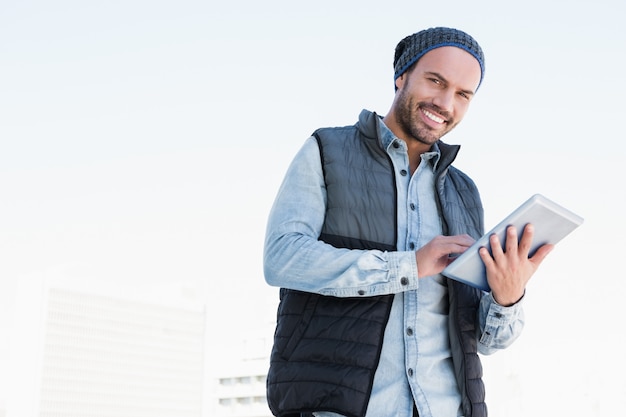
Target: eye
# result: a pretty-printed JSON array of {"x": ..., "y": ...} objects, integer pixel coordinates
[
  {"x": 435, "y": 80},
  {"x": 464, "y": 95}
]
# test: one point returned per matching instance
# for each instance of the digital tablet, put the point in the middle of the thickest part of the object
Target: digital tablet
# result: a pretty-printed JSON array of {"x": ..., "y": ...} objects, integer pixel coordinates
[{"x": 552, "y": 223}]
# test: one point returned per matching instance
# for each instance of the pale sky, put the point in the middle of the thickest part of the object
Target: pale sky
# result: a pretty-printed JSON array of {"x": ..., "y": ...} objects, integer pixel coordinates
[{"x": 142, "y": 143}]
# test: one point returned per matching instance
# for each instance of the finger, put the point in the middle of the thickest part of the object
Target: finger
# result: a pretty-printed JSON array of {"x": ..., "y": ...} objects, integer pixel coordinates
[
  {"x": 486, "y": 257},
  {"x": 496, "y": 247},
  {"x": 462, "y": 240},
  {"x": 468, "y": 240},
  {"x": 526, "y": 241},
  {"x": 454, "y": 244},
  {"x": 541, "y": 254},
  {"x": 454, "y": 251},
  {"x": 511, "y": 239}
]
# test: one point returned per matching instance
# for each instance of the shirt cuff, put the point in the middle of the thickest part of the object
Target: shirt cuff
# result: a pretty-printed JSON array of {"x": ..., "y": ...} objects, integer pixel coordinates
[
  {"x": 383, "y": 273},
  {"x": 402, "y": 271},
  {"x": 498, "y": 317}
]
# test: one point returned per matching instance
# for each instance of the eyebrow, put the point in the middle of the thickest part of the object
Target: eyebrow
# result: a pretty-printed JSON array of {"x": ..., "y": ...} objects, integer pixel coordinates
[{"x": 436, "y": 74}]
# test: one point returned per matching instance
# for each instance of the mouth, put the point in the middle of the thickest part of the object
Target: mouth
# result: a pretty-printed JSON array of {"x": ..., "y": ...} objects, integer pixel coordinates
[{"x": 433, "y": 117}]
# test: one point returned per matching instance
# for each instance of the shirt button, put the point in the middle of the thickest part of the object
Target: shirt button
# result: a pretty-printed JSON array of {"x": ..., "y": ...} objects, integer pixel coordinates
[
  {"x": 396, "y": 144},
  {"x": 403, "y": 172},
  {"x": 410, "y": 371},
  {"x": 409, "y": 331},
  {"x": 412, "y": 206},
  {"x": 404, "y": 281},
  {"x": 411, "y": 245},
  {"x": 361, "y": 292}
]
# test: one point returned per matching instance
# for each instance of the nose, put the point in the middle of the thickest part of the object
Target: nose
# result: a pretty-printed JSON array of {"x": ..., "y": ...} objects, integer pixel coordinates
[{"x": 444, "y": 100}]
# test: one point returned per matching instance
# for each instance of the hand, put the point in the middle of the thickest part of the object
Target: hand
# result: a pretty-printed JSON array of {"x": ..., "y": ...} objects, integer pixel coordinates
[
  {"x": 433, "y": 257},
  {"x": 509, "y": 271}
]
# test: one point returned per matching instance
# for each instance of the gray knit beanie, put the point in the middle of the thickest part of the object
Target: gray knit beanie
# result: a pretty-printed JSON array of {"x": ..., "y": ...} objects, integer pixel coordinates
[{"x": 413, "y": 47}]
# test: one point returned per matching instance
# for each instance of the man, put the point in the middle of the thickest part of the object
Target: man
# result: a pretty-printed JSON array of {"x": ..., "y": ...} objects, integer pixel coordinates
[{"x": 363, "y": 225}]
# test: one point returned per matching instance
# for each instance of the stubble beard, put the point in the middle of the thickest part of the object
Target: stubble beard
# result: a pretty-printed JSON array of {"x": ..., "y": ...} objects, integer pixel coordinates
[{"x": 408, "y": 118}]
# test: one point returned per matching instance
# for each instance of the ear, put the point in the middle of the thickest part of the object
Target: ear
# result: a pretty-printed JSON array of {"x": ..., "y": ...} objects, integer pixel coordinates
[{"x": 400, "y": 81}]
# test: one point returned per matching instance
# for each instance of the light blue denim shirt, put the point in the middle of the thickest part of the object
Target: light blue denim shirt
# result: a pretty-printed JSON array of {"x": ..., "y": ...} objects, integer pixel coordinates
[{"x": 416, "y": 363}]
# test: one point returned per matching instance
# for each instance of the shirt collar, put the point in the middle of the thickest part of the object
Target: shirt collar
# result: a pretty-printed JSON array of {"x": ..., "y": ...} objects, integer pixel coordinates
[{"x": 387, "y": 138}]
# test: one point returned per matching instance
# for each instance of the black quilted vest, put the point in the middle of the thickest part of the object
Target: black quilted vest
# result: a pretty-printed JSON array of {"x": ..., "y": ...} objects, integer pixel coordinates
[{"x": 326, "y": 349}]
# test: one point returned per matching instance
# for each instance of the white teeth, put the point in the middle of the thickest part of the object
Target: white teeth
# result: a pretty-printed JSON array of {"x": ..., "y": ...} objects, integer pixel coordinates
[{"x": 433, "y": 117}]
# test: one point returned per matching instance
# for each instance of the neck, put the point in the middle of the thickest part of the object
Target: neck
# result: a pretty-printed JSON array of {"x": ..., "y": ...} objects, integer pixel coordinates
[{"x": 415, "y": 148}]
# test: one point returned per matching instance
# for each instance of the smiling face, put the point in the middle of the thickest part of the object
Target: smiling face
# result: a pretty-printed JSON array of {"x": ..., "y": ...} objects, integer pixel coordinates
[{"x": 433, "y": 96}]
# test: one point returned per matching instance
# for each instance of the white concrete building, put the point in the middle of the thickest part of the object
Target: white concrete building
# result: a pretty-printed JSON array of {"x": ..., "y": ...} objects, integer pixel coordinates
[
  {"x": 238, "y": 380},
  {"x": 86, "y": 348},
  {"x": 98, "y": 354}
]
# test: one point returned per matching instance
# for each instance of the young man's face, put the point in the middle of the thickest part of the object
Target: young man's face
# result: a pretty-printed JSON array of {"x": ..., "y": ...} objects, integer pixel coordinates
[{"x": 434, "y": 95}]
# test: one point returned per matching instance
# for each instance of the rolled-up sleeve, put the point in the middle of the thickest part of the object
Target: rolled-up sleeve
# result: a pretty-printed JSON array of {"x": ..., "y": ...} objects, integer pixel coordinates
[{"x": 295, "y": 258}]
